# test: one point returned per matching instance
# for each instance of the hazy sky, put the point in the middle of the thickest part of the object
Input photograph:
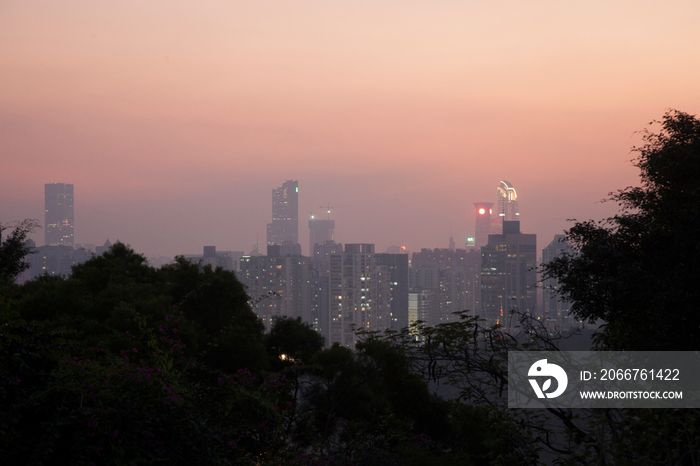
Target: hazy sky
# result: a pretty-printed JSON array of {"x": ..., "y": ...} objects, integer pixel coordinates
[{"x": 176, "y": 119}]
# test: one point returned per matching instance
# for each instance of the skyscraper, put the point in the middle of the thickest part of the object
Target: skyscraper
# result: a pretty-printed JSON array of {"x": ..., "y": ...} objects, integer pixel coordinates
[
  {"x": 319, "y": 286},
  {"x": 507, "y": 202},
  {"x": 285, "y": 214},
  {"x": 484, "y": 210},
  {"x": 320, "y": 231},
  {"x": 508, "y": 275},
  {"x": 58, "y": 214}
]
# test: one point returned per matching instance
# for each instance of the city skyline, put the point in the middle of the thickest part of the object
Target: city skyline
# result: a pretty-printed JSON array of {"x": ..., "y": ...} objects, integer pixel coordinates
[
  {"x": 59, "y": 210},
  {"x": 488, "y": 227},
  {"x": 406, "y": 112}
]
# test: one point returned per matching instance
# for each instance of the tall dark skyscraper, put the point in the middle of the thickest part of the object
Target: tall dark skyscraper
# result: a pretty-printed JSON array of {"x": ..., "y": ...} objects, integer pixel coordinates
[
  {"x": 484, "y": 210},
  {"x": 285, "y": 214},
  {"x": 508, "y": 275},
  {"x": 58, "y": 214}
]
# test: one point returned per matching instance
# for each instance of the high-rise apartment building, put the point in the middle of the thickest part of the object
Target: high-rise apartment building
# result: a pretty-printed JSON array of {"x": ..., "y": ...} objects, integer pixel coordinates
[
  {"x": 473, "y": 280},
  {"x": 448, "y": 275},
  {"x": 484, "y": 211},
  {"x": 277, "y": 285},
  {"x": 507, "y": 202},
  {"x": 360, "y": 294},
  {"x": 420, "y": 304},
  {"x": 285, "y": 214},
  {"x": 58, "y": 214},
  {"x": 319, "y": 286},
  {"x": 397, "y": 266},
  {"x": 508, "y": 275}
]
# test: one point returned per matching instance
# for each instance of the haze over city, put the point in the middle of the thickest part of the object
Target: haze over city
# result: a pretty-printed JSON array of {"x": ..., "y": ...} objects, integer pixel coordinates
[{"x": 175, "y": 120}]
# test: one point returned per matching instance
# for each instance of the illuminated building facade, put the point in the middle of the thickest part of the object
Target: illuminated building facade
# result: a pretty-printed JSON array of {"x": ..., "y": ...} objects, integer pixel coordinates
[
  {"x": 507, "y": 202},
  {"x": 420, "y": 305},
  {"x": 319, "y": 286},
  {"x": 360, "y": 294},
  {"x": 277, "y": 285},
  {"x": 397, "y": 266},
  {"x": 58, "y": 214},
  {"x": 285, "y": 214}
]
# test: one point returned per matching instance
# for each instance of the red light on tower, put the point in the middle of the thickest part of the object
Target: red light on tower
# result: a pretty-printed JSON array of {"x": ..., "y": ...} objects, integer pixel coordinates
[{"x": 482, "y": 211}]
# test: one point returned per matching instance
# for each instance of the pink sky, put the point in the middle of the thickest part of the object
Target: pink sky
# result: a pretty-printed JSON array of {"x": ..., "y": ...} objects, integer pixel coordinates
[{"x": 175, "y": 120}]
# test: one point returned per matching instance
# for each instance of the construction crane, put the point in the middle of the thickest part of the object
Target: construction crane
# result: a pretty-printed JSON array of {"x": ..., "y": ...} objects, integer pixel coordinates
[{"x": 329, "y": 207}]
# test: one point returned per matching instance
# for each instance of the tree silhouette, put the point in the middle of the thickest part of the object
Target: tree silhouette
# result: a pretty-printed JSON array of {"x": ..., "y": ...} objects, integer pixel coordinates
[
  {"x": 637, "y": 271},
  {"x": 14, "y": 248}
]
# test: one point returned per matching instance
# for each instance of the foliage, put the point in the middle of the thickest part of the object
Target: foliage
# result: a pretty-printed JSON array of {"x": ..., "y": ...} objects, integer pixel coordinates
[
  {"x": 291, "y": 340},
  {"x": 637, "y": 271},
  {"x": 130, "y": 408},
  {"x": 472, "y": 358},
  {"x": 369, "y": 407},
  {"x": 122, "y": 363},
  {"x": 106, "y": 366},
  {"x": 14, "y": 249},
  {"x": 114, "y": 295}
]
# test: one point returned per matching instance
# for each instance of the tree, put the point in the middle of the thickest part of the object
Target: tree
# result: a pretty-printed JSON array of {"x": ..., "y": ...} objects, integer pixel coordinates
[
  {"x": 112, "y": 296},
  {"x": 15, "y": 248},
  {"x": 64, "y": 403},
  {"x": 230, "y": 335},
  {"x": 292, "y": 340},
  {"x": 473, "y": 358},
  {"x": 121, "y": 362},
  {"x": 637, "y": 271}
]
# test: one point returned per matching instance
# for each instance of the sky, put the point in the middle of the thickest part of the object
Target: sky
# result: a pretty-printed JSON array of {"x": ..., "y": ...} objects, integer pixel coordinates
[{"x": 176, "y": 119}]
